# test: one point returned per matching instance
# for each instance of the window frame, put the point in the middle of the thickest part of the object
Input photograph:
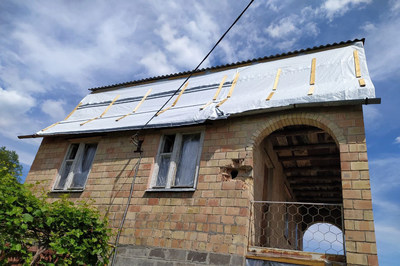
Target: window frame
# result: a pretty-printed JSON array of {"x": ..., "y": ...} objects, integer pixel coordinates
[
  {"x": 173, "y": 164},
  {"x": 78, "y": 157}
]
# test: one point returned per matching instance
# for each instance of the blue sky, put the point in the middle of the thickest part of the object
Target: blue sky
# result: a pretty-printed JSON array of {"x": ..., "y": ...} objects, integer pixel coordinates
[{"x": 51, "y": 52}]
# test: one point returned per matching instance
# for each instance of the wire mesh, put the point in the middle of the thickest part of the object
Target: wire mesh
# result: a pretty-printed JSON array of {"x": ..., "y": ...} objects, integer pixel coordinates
[{"x": 313, "y": 227}]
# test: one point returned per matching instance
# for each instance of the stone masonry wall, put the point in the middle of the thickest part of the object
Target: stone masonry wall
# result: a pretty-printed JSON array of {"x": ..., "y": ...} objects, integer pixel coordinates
[{"x": 215, "y": 218}]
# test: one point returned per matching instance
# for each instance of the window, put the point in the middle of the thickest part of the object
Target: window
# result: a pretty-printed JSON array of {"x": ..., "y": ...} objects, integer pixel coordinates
[
  {"x": 76, "y": 167},
  {"x": 177, "y": 162}
]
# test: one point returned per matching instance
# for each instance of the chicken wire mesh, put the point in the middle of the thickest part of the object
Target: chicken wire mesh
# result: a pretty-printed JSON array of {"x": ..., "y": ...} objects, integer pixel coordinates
[{"x": 313, "y": 227}]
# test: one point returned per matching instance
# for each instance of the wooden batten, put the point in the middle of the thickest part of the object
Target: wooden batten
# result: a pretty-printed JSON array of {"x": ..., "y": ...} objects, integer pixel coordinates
[
  {"x": 312, "y": 76},
  {"x": 278, "y": 74},
  {"x": 220, "y": 87},
  {"x": 357, "y": 64},
  {"x": 233, "y": 85},
  {"x": 216, "y": 93},
  {"x": 230, "y": 90},
  {"x": 221, "y": 102},
  {"x": 311, "y": 90},
  {"x": 105, "y": 111},
  {"x": 137, "y": 106},
  {"x": 361, "y": 82},
  {"x": 270, "y": 96},
  {"x": 73, "y": 111},
  {"x": 176, "y": 100}
]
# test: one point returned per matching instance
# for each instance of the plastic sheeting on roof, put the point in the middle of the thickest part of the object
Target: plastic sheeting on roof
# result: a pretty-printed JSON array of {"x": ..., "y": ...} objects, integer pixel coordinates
[{"x": 335, "y": 80}]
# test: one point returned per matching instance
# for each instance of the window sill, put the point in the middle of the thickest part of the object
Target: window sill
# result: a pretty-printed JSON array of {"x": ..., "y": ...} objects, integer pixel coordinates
[
  {"x": 171, "y": 190},
  {"x": 68, "y": 191}
]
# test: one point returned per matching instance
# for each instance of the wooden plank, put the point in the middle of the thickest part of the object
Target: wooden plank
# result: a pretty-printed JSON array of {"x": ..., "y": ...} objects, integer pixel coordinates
[
  {"x": 216, "y": 94},
  {"x": 162, "y": 111},
  {"x": 286, "y": 133},
  {"x": 278, "y": 74},
  {"x": 361, "y": 82},
  {"x": 220, "y": 87},
  {"x": 305, "y": 147},
  {"x": 109, "y": 106},
  {"x": 180, "y": 94},
  {"x": 137, "y": 106},
  {"x": 230, "y": 90},
  {"x": 314, "y": 185},
  {"x": 312, "y": 168},
  {"x": 233, "y": 85},
  {"x": 311, "y": 90},
  {"x": 73, "y": 111},
  {"x": 204, "y": 106},
  {"x": 221, "y": 102},
  {"x": 312, "y": 77},
  {"x": 322, "y": 192},
  {"x": 105, "y": 111},
  {"x": 55, "y": 124},
  {"x": 270, "y": 96},
  {"x": 176, "y": 100},
  {"x": 313, "y": 158},
  {"x": 90, "y": 120},
  {"x": 141, "y": 101},
  {"x": 357, "y": 64}
]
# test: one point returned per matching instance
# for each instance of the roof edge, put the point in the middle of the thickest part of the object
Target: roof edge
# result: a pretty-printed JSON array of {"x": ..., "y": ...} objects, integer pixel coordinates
[
  {"x": 365, "y": 101},
  {"x": 221, "y": 67}
]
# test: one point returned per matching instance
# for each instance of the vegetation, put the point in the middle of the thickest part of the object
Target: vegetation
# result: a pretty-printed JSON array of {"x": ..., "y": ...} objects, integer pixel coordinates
[
  {"x": 9, "y": 163},
  {"x": 31, "y": 226}
]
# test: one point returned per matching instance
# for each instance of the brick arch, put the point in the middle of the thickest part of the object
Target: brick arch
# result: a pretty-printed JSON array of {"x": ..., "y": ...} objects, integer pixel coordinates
[{"x": 308, "y": 119}]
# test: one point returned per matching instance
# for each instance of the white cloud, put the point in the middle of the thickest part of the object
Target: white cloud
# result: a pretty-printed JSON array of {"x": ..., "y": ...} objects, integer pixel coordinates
[
  {"x": 15, "y": 108},
  {"x": 282, "y": 29},
  {"x": 368, "y": 27},
  {"x": 382, "y": 49},
  {"x": 397, "y": 140},
  {"x": 54, "y": 108},
  {"x": 394, "y": 5},
  {"x": 340, "y": 7},
  {"x": 13, "y": 103},
  {"x": 156, "y": 64},
  {"x": 184, "y": 52}
]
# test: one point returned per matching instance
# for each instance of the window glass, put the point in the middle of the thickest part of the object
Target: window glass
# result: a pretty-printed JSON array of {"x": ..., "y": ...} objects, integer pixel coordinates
[
  {"x": 76, "y": 167},
  {"x": 163, "y": 171},
  {"x": 72, "y": 151},
  {"x": 64, "y": 175},
  {"x": 168, "y": 143},
  {"x": 177, "y": 161},
  {"x": 187, "y": 160},
  {"x": 83, "y": 166}
]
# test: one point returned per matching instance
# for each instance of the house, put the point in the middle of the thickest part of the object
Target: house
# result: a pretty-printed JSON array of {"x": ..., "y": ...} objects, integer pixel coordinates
[{"x": 259, "y": 162}]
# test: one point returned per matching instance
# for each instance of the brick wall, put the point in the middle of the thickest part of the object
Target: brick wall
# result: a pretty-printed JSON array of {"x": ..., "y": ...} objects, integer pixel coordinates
[{"x": 215, "y": 218}]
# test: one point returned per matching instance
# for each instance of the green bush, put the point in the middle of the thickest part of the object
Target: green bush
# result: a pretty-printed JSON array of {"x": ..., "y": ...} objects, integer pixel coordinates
[{"x": 75, "y": 233}]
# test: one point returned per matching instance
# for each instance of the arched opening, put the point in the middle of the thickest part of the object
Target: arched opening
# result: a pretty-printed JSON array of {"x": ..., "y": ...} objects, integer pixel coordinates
[
  {"x": 297, "y": 183},
  {"x": 323, "y": 238}
]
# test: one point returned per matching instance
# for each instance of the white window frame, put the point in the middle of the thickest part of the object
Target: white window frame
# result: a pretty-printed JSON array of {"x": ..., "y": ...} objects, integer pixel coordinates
[
  {"x": 174, "y": 162},
  {"x": 70, "y": 177}
]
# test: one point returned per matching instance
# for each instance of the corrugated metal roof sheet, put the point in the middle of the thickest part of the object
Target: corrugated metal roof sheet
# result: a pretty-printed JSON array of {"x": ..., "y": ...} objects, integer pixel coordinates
[
  {"x": 334, "y": 74},
  {"x": 216, "y": 68}
]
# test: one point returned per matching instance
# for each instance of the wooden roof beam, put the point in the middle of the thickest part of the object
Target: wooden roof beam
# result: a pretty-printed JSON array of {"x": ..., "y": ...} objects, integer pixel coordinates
[
  {"x": 287, "y": 132},
  {"x": 309, "y": 158},
  {"x": 305, "y": 147}
]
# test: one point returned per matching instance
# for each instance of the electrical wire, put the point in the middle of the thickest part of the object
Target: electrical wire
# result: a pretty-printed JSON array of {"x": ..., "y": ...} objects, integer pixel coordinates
[
  {"x": 197, "y": 67},
  {"x": 136, "y": 167},
  {"x": 137, "y": 133}
]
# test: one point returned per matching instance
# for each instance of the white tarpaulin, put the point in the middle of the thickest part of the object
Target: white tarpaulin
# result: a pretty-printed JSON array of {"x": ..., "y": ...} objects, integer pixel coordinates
[{"x": 335, "y": 80}]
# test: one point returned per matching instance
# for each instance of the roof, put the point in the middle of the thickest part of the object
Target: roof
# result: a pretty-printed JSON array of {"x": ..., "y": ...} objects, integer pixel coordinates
[
  {"x": 216, "y": 68},
  {"x": 329, "y": 74}
]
